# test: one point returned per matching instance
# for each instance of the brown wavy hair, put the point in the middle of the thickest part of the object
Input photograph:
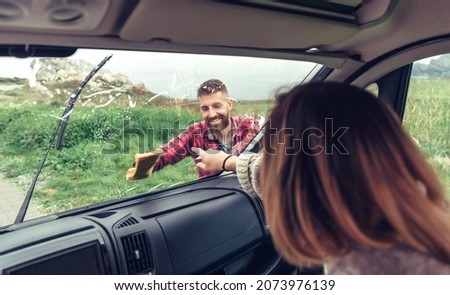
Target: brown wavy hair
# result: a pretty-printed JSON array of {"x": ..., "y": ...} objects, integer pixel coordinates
[{"x": 339, "y": 171}]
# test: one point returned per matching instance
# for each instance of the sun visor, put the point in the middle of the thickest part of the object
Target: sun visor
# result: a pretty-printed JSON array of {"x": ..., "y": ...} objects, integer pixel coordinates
[{"x": 177, "y": 22}]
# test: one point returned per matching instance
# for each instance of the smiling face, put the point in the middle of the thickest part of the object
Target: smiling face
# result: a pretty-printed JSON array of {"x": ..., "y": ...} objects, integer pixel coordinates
[{"x": 215, "y": 109}]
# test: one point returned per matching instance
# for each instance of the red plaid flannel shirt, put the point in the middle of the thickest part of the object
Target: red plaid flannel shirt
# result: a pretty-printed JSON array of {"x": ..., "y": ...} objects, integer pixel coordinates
[{"x": 199, "y": 135}]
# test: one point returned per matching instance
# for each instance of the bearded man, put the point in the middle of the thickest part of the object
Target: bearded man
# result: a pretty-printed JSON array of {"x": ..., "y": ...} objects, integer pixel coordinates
[{"x": 218, "y": 130}]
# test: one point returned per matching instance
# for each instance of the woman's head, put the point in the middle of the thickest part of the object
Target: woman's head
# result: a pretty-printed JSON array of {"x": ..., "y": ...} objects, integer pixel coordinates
[{"x": 342, "y": 172}]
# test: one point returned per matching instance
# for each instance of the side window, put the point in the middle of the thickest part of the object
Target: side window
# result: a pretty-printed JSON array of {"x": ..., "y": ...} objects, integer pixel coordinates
[
  {"x": 427, "y": 112},
  {"x": 373, "y": 88}
]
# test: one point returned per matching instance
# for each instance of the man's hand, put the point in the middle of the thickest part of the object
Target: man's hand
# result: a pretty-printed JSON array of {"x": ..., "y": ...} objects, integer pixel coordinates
[{"x": 212, "y": 160}]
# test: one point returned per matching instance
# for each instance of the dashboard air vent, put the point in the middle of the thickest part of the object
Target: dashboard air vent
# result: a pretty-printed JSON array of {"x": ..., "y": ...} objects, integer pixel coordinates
[
  {"x": 127, "y": 222},
  {"x": 137, "y": 253}
]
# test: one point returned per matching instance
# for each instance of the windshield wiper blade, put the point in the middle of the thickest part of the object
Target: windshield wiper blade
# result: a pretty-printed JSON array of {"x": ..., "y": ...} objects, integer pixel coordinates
[
  {"x": 73, "y": 99},
  {"x": 59, "y": 133}
]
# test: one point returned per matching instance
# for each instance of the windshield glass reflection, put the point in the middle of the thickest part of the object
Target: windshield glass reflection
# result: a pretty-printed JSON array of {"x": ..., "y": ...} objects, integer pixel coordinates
[{"x": 138, "y": 102}]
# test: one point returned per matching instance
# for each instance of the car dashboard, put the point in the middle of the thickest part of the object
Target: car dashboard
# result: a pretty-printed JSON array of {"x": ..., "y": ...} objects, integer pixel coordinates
[{"x": 206, "y": 230}]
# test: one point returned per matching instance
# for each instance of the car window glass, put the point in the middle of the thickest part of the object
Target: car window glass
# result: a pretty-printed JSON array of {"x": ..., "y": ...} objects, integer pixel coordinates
[
  {"x": 373, "y": 88},
  {"x": 136, "y": 102},
  {"x": 427, "y": 112}
]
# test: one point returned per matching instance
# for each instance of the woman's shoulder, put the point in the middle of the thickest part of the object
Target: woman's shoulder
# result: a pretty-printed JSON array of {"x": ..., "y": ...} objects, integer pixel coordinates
[{"x": 397, "y": 260}]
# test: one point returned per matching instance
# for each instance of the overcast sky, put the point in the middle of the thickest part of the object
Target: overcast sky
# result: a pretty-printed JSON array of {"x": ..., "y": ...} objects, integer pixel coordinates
[{"x": 179, "y": 75}]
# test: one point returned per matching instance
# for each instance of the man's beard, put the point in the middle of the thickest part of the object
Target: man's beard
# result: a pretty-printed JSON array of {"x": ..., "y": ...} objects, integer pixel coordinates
[{"x": 224, "y": 122}]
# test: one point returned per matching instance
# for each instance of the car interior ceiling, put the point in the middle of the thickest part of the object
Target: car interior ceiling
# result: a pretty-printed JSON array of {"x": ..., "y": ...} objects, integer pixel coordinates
[{"x": 322, "y": 38}]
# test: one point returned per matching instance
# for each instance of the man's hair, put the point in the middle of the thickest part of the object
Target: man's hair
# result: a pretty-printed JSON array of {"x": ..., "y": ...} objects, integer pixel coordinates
[
  {"x": 211, "y": 86},
  {"x": 378, "y": 191}
]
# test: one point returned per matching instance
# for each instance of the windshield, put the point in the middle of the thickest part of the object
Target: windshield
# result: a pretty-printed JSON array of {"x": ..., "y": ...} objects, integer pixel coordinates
[{"x": 138, "y": 102}]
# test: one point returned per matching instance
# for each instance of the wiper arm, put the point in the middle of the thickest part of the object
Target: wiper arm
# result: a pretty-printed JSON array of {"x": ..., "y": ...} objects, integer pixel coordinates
[
  {"x": 59, "y": 133},
  {"x": 73, "y": 99}
]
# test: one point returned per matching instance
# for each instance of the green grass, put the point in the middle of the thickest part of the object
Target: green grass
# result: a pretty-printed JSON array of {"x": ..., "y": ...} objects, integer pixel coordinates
[
  {"x": 13, "y": 81},
  {"x": 105, "y": 180},
  {"x": 427, "y": 119},
  {"x": 98, "y": 148},
  {"x": 82, "y": 173},
  {"x": 100, "y": 143}
]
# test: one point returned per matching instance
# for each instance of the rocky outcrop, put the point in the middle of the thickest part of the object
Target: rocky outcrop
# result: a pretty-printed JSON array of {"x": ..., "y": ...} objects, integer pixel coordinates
[
  {"x": 53, "y": 70},
  {"x": 437, "y": 68},
  {"x": 56, "y": 78}
]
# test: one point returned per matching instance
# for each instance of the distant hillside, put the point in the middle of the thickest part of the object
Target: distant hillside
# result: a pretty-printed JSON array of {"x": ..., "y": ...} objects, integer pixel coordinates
[
  {"x": 52, "y": 71},
  {"x": 53, "y": 80},
  {"x": 57, "y": 78},
  {"x": 437, "y": 68}
]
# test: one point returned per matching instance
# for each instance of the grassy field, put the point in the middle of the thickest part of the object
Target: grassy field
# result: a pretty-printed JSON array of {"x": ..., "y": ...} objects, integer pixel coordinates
[
  {"x": 427, "y": 119},
  {"x": 100, "y": 143},
  {"x": 99, "y": 147},
  {"x": 82, "y": 173}
]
